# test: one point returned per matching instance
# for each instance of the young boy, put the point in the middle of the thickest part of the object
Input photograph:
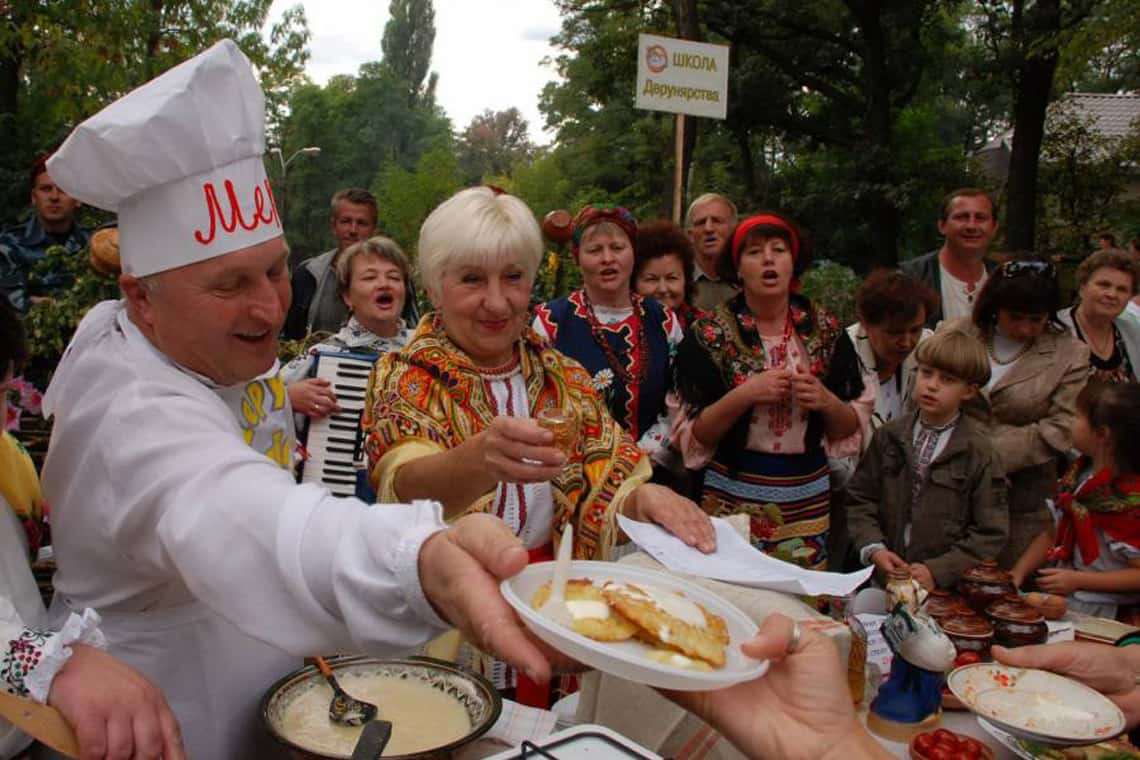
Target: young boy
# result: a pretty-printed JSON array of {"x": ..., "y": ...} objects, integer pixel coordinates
[{"x": 930, "y": 495}]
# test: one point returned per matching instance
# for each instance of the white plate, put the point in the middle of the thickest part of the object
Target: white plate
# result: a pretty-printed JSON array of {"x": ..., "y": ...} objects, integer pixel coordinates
[
  {"x": 1036, "y": 705},
  {"x": 628, "y": 659}
]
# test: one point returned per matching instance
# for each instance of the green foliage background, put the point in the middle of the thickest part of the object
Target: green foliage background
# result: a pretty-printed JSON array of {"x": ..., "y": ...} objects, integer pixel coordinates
[{"x": 853, "y": 117}]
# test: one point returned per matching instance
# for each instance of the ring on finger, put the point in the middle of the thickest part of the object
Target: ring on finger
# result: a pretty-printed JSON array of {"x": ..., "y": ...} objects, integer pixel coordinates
[{"x": 794, "y": 641}]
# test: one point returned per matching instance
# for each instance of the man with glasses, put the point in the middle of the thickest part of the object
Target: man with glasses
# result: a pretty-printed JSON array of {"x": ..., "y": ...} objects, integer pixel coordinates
[{"x": 958, "y": 270}]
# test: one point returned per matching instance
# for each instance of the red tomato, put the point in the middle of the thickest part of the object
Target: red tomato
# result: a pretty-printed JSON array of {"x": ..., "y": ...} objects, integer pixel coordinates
[
  {"x": 942, "y": 736},
  {"x": 923, "y": 742},
  {"x": 967, "y": 658},
  {"x": 972, "y": 747},
  {"x": 941, "y": 752}
]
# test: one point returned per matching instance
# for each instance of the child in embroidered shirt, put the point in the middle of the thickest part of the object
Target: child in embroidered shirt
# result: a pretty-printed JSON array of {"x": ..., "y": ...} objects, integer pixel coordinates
[
  {"x": 929, "y": 496},
  {"x": 1093, "y": 553}
]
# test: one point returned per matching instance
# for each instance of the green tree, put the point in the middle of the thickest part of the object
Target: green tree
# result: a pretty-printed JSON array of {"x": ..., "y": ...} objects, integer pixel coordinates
[
  {"x": 837, "y": 74},
  {"x": 1025, "y": 38},
  {"x": 409, "y": 36},
  {"x": 407, "y": 197},
  {"x": 611, "y": 152},
  {"x": 1083, "y": 177},
  {"x": 62, "y": 61},
  {"x": 364, "y": 125},
  {"x": 493, "y": 142}
]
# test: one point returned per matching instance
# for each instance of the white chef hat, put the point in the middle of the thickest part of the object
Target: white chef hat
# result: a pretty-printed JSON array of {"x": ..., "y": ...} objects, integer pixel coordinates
[{"x": 179, "y": 159}]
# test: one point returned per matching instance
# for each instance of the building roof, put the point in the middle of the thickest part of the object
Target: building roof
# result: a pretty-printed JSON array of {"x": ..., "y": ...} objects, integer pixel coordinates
[{"x": 1112, "y": 115}]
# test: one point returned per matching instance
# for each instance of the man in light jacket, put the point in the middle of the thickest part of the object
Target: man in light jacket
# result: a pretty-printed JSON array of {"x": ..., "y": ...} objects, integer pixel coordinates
[{"x": 175, "y": 511}]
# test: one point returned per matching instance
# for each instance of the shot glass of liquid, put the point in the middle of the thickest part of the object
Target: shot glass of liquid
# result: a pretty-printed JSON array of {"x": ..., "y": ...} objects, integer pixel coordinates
[{"x": 563, "y": 422}]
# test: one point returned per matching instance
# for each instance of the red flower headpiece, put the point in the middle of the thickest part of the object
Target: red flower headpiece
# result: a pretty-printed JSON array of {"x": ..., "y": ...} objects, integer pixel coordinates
[
  {"x": 592, "y": 215},
  {"x": 751, "y": 223}
]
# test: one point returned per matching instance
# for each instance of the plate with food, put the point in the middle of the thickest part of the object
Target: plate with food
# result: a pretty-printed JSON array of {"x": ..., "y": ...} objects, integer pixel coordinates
[
  {"x": 1028, "y": 749},
  {"x": 1035, "y": 704},
  {"x": 639, "y": 624}
]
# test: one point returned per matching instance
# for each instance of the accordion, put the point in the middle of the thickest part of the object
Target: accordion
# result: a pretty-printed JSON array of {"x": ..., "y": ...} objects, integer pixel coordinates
[{"x": 335, "y": 454}]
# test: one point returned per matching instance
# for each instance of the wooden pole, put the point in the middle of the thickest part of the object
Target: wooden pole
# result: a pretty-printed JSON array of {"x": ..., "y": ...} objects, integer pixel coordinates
[{"x": 679, "y": 167}]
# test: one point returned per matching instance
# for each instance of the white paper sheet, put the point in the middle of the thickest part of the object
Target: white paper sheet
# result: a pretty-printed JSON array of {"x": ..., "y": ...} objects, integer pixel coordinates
[{"x": 737, "y": 561}]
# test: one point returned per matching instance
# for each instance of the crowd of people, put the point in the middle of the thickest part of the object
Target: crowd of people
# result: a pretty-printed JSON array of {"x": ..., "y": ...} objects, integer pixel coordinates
[{"x": 969, "y": 414}]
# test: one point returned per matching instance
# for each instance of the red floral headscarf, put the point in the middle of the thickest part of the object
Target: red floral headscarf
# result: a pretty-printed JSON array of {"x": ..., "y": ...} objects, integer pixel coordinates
[{"x": 593, "y": 215}]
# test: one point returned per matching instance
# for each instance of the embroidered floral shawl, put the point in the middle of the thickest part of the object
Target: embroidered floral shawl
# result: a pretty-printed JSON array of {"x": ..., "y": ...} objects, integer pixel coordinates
[
  {"x": 430, "y": 392},
  {"x": 723, "y": 347}
]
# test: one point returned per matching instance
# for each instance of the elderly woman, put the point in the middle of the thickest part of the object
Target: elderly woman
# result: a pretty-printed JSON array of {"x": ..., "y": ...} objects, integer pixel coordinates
[
  {"x": 663, "y": 268},
  {"x": 374, "y": 279},
  {"x": 766, "y": 398},
  {"x": 626, "y": 342},
  {"x": 452, "y": 416},
  {"x": 1107, "y": 282},
  {"x": 1036, "y": 371}
]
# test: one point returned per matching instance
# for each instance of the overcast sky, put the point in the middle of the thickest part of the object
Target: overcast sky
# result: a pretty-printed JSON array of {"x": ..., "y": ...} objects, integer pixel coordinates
[{"x": 487, "y": 52}]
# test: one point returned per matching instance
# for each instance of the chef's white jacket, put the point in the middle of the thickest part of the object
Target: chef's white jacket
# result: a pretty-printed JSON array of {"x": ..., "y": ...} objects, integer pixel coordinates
[{"x": 213, "y": 570}]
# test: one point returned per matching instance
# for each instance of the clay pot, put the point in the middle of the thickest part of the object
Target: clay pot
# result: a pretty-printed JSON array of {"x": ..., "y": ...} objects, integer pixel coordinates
[
  {"x": 941, "y": 605},
  {"x": 558, "y": 226},
  {"x": 1016, "y": 624},
  {"x": 969, "y": 633},
  {"x": 983, "y": 584}
]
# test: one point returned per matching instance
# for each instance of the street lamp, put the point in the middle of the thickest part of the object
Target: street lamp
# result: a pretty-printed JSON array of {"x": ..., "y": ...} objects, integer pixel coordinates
[{"x": 311, "y": 150}]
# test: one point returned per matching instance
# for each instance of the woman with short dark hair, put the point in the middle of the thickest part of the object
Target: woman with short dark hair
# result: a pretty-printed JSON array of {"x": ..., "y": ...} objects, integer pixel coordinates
[
  {"x": 1037, "y": 370},
  {"x": 663, "y": 268},
  {"x": 892, "y": 307}
]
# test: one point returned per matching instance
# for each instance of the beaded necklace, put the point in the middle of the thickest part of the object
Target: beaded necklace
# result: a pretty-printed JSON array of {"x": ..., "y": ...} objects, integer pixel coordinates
[{"x": 620, "y": 369}]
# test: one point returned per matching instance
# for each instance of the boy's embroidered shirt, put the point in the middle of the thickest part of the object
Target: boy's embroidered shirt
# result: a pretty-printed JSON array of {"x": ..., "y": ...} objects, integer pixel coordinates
[{"x": 929, "y": 441}]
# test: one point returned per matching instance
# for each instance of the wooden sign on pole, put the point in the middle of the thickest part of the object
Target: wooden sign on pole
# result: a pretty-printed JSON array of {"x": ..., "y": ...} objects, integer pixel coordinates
[
  {"x": 681, "y": 77},
  {"x": 679, "y": 167}
]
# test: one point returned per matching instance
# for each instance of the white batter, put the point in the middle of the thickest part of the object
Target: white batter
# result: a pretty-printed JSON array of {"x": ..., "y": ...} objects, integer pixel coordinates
[{"x": 422, "y": 717}]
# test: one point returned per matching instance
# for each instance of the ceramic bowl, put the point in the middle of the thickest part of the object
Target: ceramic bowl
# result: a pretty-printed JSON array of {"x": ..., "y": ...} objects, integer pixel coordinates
[
  {"x": 1016, "y": 624},
  {"x": 942, "y": 605},
  {"x": 983, "y": 584},
  {"x": 969, "y": 633},
  {"x": 474, "y": 693},
  {"x": 1036, "y": 705}
]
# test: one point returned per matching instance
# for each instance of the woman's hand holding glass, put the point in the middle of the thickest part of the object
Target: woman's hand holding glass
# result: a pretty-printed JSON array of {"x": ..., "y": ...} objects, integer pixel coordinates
[{"x": 518, "y": 450}]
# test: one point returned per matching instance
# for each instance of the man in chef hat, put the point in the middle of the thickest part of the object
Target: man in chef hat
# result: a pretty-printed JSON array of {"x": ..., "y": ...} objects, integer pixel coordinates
[{"x": 174, "y": 511}]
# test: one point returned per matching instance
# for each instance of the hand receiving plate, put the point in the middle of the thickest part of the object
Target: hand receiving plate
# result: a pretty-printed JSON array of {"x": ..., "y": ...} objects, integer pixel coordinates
[{"x": 634, "y": 659}]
